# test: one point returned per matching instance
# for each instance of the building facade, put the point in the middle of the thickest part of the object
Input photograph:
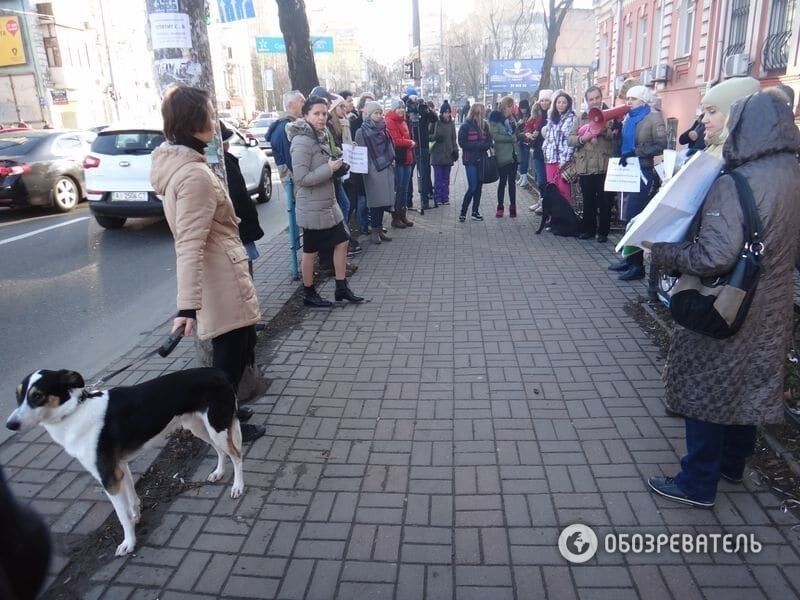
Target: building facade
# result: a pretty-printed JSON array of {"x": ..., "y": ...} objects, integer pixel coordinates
[{"x": 681, "y": 47}]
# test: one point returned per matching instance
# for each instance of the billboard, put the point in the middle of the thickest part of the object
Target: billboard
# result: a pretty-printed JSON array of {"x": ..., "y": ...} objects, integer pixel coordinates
[
  {"x": 276, "y": 45},
  {"x": 520, "y": 75},
  {"x": 235, "y": 10},
  {"x": 11, "y": 50}
]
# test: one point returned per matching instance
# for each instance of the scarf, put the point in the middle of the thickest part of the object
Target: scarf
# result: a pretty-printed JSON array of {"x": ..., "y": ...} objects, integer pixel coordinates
[
  {"x": 378, "y": 143},
  {"x": 191, "y": 142},
  {"x": 629, "y": 128},
  {"x": 302, "y": 127}
]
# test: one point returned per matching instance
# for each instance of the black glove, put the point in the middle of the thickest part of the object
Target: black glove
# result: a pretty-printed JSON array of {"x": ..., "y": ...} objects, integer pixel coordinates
[
  {"x": 623, "y": 160},
  {"x": 341, "y": 171}
]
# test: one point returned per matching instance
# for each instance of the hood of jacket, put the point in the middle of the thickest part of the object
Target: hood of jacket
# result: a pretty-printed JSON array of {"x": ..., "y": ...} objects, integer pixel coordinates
[
  {"x": 168, "y": 159},
  {"x": 749, "y": 119},
  {"x": 394, "y": 117},
  {"x": 300, "y": 127}
]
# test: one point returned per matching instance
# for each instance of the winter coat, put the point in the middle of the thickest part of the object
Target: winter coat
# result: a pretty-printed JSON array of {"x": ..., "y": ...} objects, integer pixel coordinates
[
  {"x": 694, "y": 145},
  {"x": 401, "y": 138},
  {"x": 249, "y": 227},
  {"x": 506, "y": 149},
  {"x": 211, "y": 261},
  {"x": 651, "y": 138},
  {"x": 555, "y": 146},
  {"x": 535, "y": 124},
  {"x": 473, "y": 141},
  {"x": 420, "y": 132},
  {"x": 739, "y": 380},
  {"x": 354, "y": 185},
  {"x": 445, "y": 143},
  {"x": 315, "y": 199},
  {"x": 592, "y": 157},
  {"x": 379, "y": 185},
  {"x": 276, "y": 136}
]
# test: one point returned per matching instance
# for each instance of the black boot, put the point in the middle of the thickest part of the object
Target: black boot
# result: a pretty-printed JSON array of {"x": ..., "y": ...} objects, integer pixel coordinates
[
  {"x": 343, "y": 292},
  {"x": 312, "y": 298}
]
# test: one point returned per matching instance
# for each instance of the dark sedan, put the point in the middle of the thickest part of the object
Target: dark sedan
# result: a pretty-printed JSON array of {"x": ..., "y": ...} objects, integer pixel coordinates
[{"x": 43, "y": 167}]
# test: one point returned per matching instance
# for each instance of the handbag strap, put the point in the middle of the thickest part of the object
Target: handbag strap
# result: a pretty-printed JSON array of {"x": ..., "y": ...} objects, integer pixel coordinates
[{"x": 752, "y": 222}]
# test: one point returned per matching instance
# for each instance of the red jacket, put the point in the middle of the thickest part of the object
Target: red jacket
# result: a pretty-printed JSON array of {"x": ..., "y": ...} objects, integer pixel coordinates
[{"x": 401, "y": 138}]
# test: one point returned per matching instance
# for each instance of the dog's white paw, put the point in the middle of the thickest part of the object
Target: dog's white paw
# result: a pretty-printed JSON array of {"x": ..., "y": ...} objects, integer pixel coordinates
[
  {"x": 237, "y": 490},
  {"x": 216, "y": 475},
  {"x": 126, "y": 547}
]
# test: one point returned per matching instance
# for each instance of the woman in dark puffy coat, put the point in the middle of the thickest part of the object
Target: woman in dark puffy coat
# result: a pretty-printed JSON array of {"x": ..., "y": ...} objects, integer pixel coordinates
[
  {"x": 474, "y": 139},
  {"x": 443, "y": 154},
  {"x": 725, "y": 388}
]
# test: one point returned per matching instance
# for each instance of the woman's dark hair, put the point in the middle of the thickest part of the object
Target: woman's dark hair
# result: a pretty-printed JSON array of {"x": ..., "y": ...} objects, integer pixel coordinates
[
  {"x": 496, "y": 117},
  {"x": 185, "y": 112},
  {"x": 555, "y": 117},
  {"x": 312, "y": 100}
]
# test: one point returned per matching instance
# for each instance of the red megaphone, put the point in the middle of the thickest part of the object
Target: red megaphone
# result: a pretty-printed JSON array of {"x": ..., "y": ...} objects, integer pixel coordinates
[{"x": 598, "y": 118}]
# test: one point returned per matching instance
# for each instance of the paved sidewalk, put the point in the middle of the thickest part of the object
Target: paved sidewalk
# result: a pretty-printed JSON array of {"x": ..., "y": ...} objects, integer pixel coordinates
[{"x": 434, "y": 441}]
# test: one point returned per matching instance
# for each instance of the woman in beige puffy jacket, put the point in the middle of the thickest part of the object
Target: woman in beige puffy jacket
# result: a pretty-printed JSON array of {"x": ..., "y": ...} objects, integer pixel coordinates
[{"x": 215, "y": 292}]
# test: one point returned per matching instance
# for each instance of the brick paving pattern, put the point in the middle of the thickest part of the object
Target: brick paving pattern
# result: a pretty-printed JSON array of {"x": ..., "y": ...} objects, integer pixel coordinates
[{"x": 433, "y": 442}]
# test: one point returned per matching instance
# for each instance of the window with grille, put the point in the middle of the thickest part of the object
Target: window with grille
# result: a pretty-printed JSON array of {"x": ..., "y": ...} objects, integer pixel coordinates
[
  {"x": 737, "y": 36},
  {"x": 775, "y": 52}
]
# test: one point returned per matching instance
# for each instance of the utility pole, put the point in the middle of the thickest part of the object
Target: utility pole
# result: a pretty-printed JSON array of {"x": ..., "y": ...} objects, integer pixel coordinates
[
  {"x": 113, "y": 92},
  {"x": 178, "y": 36},
  {"x": 417, "y": 59}
]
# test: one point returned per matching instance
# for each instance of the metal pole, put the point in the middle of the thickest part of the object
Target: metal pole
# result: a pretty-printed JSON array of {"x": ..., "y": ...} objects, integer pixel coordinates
[
  {"x": 416, "y": 42},
  {"x": 115, "y": 94}
]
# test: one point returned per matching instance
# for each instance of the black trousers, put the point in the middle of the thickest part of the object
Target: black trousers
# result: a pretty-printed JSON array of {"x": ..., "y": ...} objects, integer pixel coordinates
[
  {"x": 233, "y": 351},
  {"x": 595, "y": 201},
  {"x": 507, "y": 175}
]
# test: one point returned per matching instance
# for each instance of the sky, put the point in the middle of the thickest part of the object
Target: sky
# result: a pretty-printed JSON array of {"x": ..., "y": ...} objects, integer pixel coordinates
[{"x": 385, "y": 25}]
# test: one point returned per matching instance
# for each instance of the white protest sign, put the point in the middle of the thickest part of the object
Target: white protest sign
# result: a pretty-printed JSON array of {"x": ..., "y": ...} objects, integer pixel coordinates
[
  {"x": 670, "y": 160},
  {"x": 669, "y": 214},
  {"x": 356, "y": 157},
  {"x": 623, "y": 179},
  {"x": 170, "y": 30}
]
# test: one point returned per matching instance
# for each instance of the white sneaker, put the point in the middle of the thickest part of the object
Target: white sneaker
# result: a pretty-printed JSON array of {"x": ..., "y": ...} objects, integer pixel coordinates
[{"x": 535, "y": 207}]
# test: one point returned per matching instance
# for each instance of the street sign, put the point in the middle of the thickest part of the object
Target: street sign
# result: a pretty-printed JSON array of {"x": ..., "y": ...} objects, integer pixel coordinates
[
  {"x": 12, "y": 51},
  {"x": 276, "y": 45},
  {"x": 59, "y": 96},
  {"x": 235, "y": 10}
]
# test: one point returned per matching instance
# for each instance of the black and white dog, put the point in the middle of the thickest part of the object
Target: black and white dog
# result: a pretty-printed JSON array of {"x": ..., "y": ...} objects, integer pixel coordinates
[
  {"x": 106, "y": 429},
  {"x": 555, "y": 207}
]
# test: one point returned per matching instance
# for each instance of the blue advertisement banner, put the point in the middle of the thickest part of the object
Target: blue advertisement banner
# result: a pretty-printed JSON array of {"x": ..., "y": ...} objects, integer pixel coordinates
[
  {"x": 235, "y": 10},
  {"x": 276, "y": 45},
  {"x": 515, "y": 75}
]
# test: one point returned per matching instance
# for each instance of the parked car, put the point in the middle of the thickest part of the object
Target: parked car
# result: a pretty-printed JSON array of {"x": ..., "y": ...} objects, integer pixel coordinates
[
  {"x": 258, "y": 129},
  {"x": 43, "y": 167},
  {"x": 118, "y": 173}
]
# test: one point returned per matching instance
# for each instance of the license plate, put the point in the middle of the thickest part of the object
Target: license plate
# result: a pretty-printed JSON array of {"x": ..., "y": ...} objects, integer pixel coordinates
[{"x": 130, "y": 196}]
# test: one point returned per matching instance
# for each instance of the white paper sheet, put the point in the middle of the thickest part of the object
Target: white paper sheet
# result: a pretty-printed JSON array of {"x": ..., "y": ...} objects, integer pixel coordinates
[
  {"x": 668, "y": 215},
  {"x": 623, "y": 179},
  {"x": 356, "y": 157}
]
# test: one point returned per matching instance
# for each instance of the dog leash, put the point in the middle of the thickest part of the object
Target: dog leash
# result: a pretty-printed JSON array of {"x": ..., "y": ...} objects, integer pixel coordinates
[{"x": 164, "y": 350}]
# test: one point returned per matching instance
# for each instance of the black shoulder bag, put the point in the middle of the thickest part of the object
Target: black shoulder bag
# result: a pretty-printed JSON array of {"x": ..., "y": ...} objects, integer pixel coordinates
[{"x": 717, "y": 308}]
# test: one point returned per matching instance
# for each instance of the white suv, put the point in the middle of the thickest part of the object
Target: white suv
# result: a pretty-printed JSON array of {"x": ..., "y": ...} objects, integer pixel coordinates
[{"x": 117, "y": 171}]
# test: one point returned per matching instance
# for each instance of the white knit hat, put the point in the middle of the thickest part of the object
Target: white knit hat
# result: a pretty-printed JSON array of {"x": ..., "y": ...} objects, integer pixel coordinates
[
  {"x": 640, "y": 92},
  {"x": 545, "y": 94}
]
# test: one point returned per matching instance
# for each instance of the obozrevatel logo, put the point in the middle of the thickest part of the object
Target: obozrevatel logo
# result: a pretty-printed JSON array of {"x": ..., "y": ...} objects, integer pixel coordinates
[{"x": 577, "y": 543}]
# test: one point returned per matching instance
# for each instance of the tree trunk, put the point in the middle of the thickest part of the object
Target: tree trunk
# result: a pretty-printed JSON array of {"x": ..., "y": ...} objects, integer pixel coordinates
[
  {"x": 299, "y": 54},
  {"x": 554, "y": 19}
]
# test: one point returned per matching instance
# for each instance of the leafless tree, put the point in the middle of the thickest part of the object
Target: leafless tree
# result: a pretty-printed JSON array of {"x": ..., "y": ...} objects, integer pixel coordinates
[
  {"x": 294, "y": 27},
  {"x": 509, "y": 25},
  {"x": 555, "y": 12}
]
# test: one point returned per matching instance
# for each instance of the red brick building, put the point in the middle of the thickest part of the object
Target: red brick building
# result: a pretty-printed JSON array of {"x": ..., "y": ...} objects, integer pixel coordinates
[{"x": 681, "y": 47}]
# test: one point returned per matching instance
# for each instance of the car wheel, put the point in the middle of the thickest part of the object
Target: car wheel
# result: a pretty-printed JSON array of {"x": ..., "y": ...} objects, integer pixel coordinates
[
  {"x": 265, "y": 187},
  {"x": 66, "y": 194},
  {"x": 110, "y": 222}
]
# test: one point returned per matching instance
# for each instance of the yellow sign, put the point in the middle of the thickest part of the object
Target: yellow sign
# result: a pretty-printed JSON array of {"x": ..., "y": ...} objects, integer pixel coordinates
[{"x": 12, "y": 51}]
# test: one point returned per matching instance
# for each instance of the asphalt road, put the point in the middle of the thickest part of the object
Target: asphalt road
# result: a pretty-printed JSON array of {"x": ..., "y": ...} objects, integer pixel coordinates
[{"x": 74, "y": 295}]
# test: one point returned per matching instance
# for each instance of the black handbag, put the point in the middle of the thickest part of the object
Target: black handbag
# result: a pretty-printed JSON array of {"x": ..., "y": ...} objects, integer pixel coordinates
[
  {"x": 717, "y": 308},
  {"x": 488, "y": 170}
]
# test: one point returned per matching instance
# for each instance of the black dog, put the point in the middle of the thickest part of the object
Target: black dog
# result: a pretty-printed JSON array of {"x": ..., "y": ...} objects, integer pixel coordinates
[{"x": 563, "y": 220}]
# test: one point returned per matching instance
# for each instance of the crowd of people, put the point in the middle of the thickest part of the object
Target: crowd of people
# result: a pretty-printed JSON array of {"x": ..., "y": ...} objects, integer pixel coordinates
[{"x": 533, "y": 146}]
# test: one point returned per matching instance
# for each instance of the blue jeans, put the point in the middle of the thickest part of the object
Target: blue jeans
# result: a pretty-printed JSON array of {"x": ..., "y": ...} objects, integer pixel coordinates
[
  {"x": 711, "y": 450},
  {"x": 474, "y": 187},
  {"x": 541, "y": 173},
  {"x": 376, "y": 218},
  {"x": 402, "y": 178},
  {"x": 524, "y": 159},
  {"x": 362, "y": 214}
]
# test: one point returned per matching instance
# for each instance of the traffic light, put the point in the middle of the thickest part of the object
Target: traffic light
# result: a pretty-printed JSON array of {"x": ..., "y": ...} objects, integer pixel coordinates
[{"x": 408, "y": 70}]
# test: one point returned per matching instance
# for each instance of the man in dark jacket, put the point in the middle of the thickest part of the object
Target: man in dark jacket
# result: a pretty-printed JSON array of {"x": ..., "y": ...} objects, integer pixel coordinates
[
  {"x": 420, "y": 118},
  {"x": 276, "y": 136},
  {"x": 249, "y": 227}
]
